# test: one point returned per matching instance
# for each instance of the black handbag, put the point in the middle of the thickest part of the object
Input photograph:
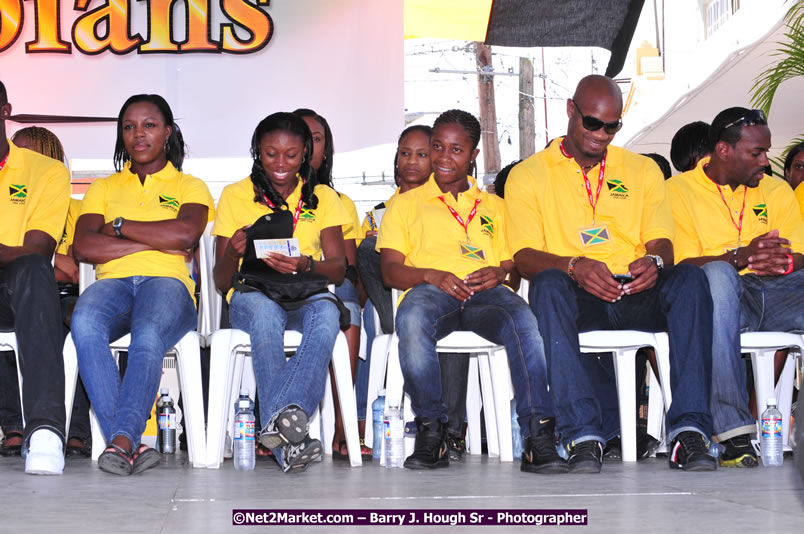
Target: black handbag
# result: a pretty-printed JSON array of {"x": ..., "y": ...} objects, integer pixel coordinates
[{"x": 286, "y": 289}]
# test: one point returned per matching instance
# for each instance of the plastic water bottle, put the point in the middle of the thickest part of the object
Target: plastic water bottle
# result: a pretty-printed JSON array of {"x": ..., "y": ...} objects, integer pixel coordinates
[
  {"x": 166, "y": 424},
  {"x": 378, "y": 417},
  {"x": 516, "y": 436},
  {"x": 245, "y": 454},
  {"x": 771, "y": 438},
  {"x": 394, "y": 437}
]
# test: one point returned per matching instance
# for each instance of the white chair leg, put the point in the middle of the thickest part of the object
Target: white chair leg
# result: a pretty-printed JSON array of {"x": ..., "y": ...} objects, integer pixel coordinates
[
  {"x": 327, "y": 413},
  {"x": 473, "y": 405},
  {"x": 624, "y": 366},
  {"x": 70, "y": 379},
  {"x": 315, "y": 426},
  {"x": 662, "y": 349},
  {"x": 655, "y": 408},
  {"x": 98, "y": 439},
  {"x": 784, "y": 394},
  {"x": 762, "y": 362},
  {"x": 501, "y": 381},
  {"x": 377, "y": 366},
  {"x": 346, "y": 397},
  {"x": 489, "y": 413},
  {"x": 188, "y": 361},
  {"x": 221, "y": 375}
]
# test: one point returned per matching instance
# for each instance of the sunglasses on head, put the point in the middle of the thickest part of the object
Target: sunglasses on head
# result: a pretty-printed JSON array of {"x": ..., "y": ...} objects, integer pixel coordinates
[
  {"x": 752, "y": 118},
  {"x": 593, "y": 123}
]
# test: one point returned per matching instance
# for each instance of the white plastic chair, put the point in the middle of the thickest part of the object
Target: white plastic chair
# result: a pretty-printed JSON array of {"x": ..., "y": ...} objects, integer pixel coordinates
[
  {"x": 188, "y": 359},
  {"x": 495, "y": 383},
  {"x": 762, "y": 346},
  {"x": 228, "y": 350},
  {"x": 8, "y": 341}
]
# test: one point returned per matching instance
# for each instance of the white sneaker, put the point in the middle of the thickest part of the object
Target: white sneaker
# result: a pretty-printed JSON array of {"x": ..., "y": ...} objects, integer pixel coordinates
[{"x": 45, "y": 454}]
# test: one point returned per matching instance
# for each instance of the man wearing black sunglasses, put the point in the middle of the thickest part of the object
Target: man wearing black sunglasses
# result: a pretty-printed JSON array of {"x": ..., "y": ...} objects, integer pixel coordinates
[
  {"x": 745, "y": 231},
  {"x": 591, "y": 228}
]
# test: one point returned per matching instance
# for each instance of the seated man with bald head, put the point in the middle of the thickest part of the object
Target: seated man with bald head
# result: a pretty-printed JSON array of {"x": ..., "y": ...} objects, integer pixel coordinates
[{"x": 592, "y": 229}]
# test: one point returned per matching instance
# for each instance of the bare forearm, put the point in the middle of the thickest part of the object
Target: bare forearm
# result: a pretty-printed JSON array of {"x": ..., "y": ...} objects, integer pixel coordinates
[
  {"x": 663, "y": 248},
  {"x": 224, "y": 270},
  {"x": 530, "y": 262},
  {"x": 334, "y": 269},
  {"x": 171, "y": 234},
  {"x": 401, "y": 276},
  {"x": 9, "y": 254},
  {"x": 97, "y": 248}
]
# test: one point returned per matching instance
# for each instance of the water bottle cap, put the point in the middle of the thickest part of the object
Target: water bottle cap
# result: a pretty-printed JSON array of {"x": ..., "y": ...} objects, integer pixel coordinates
[
  {"x": 772, "y": 401},
  {"x": 164, "y": 391},
  {"x": 381, "y": 393}
]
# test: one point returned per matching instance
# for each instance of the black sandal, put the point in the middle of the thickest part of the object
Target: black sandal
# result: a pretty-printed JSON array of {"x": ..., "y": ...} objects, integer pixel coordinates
[
  {"x": 116, "y": 460},
  {"x": 11, "y": 450},
  {"x": 145, "y": 458},
  {"x": 78, "y": 451}
]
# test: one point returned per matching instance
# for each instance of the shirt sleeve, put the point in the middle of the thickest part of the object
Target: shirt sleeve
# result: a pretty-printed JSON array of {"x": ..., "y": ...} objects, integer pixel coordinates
[
  {"x": 394, "y": 228},
  {"x": 195, "y": 191},
  {"x": 52, "y": 203},
  {"x": 94, "y": 201},
  {"x": 500, "y": 238},
  {"x": 788, "y": 217},
  {"x": 69, "y": 228},
  {"x": 800, "y": 196},
  {"x": 524, "y": 228},
  {"x": 225, "y": 220},
  {"x": 657, "y": 215},
  {"x": 685, "y": 241},
  {"x": 330, "y": 208},
  {"x": 352, "y": 230}
]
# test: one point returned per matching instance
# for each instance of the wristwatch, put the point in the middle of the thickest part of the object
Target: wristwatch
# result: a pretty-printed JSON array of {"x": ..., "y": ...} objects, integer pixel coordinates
[
  {"x": 118, "y": 225},
  {"x": 657, "y": 260}
]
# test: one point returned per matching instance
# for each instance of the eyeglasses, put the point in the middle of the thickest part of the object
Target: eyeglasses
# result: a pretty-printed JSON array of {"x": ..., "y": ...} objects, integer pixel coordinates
[
  {"x": 752, "y": 118},
  {"x": 593, "y": 123}
]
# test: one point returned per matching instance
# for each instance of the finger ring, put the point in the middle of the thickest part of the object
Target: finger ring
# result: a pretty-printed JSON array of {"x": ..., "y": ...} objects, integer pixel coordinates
[{"x": 454, "y": 288}]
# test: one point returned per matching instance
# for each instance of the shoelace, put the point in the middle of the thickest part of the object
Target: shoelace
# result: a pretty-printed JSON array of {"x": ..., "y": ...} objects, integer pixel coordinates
[
  {"x": 692, "y": 442},
  {"x": 585, "y": 447},
  {"x": 542, "y": 445}
]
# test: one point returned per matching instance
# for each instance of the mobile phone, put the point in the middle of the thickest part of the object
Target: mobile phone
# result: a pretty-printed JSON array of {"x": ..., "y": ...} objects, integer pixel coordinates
[{"x": 623, "y": 278}]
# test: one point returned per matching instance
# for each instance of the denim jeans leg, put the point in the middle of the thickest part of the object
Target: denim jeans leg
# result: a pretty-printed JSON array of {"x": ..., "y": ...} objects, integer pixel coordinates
[
  {"x": 554, "y": 302},
  {"x": 425, "y": 315},
  {"x": 163, "y": 312},
  {"x": 264, "y": 321},
  {"x": 501, "y": 316},
  {"x": 364, "y": 366},
  {"x": 728, "y": 400},
  {"x": 102, "y": 315},
  {"x": 301, "y": 381}
]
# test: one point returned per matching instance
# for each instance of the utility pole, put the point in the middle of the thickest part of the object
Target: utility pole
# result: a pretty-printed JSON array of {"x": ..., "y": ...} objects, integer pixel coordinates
[
  {"x": 488, "y": 110},
  {"x": 527, "y": 125}
]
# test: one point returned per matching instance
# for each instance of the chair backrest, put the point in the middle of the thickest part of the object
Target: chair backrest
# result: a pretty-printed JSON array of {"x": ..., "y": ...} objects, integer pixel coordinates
[{"x": 211, "y": 300}]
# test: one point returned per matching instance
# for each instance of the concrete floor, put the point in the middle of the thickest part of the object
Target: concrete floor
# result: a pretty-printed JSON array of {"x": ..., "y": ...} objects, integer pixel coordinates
[{"x": 174, "y": 498}]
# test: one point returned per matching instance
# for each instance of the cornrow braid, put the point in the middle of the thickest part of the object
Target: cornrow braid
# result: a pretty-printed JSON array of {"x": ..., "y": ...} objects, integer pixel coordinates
[
  {"x": 465, "y": 120},
  {"x": 294, "y": 125},
  {"x": 43, "y": 141}
]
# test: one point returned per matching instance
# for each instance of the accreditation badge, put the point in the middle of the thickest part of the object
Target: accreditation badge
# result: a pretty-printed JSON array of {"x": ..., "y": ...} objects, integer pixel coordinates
[
  {"x": 472, "y": 252},
  {"x": 594, "y": 235}
]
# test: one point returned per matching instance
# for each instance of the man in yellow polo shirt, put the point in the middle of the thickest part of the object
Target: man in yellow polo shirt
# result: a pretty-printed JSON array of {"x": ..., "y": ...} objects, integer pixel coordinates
[
  {"x": 34, "y": 196},
  {"x": 580, "y": 214},
  {"x": 732, "y": 220}
]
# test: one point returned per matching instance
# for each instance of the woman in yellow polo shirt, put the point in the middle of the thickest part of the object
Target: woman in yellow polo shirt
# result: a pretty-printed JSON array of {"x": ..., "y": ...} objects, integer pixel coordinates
[
  {"x": 136, "y": 226},
  {"x": 282, "y": 178},
  {"x": 323, "y": 153},
  {"x": 445, "y": 243}
]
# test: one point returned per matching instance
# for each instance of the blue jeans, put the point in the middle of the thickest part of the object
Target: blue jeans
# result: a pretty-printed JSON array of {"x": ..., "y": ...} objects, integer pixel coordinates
[
  {"x": 427, "y": 314},
  {"x": 747, "y": 303},
  {"x": 679, "y": 303},
  {"x": 363, "y": 366},
  {"x": 347, "y": 292},
  {"x": 300, "y": 380},
  {"x": 158, "y": 312}
]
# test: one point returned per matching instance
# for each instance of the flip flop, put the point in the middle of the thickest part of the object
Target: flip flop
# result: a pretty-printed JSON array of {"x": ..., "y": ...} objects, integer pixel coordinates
[
  {"x": 11, "y": 450},
  {"x": 145, "y": 458},
  {"x": 337, "y": 454},
  {"x": 115, "y": 460},
  {"x": 365, "y": 451}
]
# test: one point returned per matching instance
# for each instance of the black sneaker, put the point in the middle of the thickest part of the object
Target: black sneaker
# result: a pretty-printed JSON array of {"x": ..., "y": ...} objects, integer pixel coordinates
[
  {"x": 297, "y": 457},
  {"x": 613, "y": 449},
  {"x": 646, "y": 444},
  {"x": 430, "y": 450},
  {"x": 739, "y": 452},
  {"x": 585, "y": 457},
  {"x": 539, "y": 454},
  {"x": 456, "y": 446},
  {"x": 690, "y": 451}
]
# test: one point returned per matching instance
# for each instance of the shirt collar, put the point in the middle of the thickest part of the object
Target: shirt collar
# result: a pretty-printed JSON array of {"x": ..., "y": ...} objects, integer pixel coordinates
[
  {"x": 15, "y": 159},
  {"x": 707, "y": 182},
  {"x": 431, "y": 189},
  {"x": 167, "y": 173}
]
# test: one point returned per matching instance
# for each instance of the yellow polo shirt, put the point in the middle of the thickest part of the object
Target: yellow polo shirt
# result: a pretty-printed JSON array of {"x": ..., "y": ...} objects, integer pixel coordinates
[
  {"x": 800, "y": 197},
  {"x": 421, "y": 227},
  {"x": 548, "y": 207},
  {"x": 367, "y": 226},
  {"x": 34, "y": 195},
  {"x": 236, "y": 209},
  {"x": 69, "y": 227},
  {"x": 351, "y": 230},
  {"x": 158, "y": 199},
  {"x": 703, "y": 226}
]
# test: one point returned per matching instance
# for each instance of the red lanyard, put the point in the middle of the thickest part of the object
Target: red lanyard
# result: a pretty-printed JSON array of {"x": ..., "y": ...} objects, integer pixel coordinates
[
  {"x": 295, "y": 215},
  {"x": 464, "y": 225},
  {"x": 5, "y": 160},
  {"x": 592, "y": 200},
  {"x": 739, "y": 224}
]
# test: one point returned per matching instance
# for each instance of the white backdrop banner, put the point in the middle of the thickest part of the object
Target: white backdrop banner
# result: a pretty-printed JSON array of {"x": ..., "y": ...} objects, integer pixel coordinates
[{"x": 222, "y": 68}]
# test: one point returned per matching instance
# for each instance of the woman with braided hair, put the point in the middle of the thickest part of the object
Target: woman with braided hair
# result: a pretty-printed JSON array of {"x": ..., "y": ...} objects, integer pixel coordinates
[
  {"x": 444, "y": 243},
  {"x": 282, "y": 178}
]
